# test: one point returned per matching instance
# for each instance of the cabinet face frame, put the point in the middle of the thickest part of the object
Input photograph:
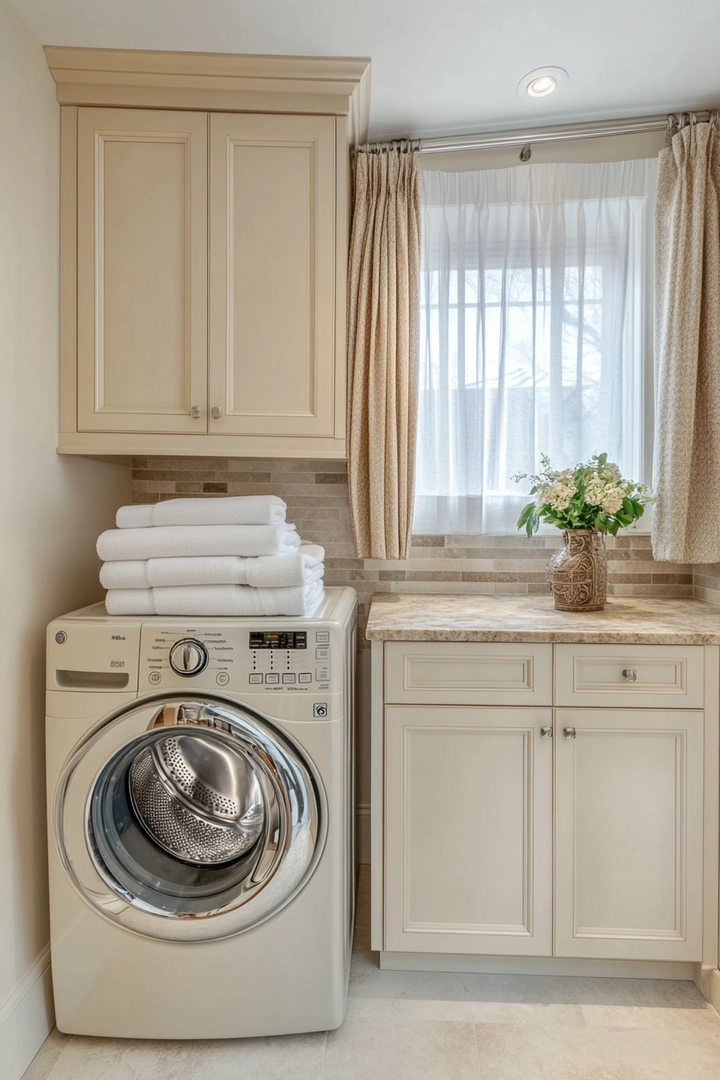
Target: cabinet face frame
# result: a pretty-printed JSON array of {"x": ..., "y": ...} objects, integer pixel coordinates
[
  {"x": 96, "y": 130},
  {"x": 515, "y": 735}
]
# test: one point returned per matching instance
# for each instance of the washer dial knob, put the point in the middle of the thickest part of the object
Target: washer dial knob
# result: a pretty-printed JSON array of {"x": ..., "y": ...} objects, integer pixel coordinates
[{"x": 188, "y": 657}]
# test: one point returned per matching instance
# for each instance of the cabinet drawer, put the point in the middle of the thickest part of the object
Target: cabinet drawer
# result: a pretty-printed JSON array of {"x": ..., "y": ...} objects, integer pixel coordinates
[
  {"x": 468, "y": 673},
  {"x": 644, "y": 676}
]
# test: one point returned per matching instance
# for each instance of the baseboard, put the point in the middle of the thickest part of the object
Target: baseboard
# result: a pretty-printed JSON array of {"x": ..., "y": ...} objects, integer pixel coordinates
[
  {"x": 26, "y": 1018},
  {"x": 711, "y": 989},
  {"x": 362, "y": 833},
  {"x": 540, "y": 965}
]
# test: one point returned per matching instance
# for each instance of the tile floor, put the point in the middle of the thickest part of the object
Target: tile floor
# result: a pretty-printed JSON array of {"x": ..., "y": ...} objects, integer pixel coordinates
[{"x": 423, "y": 1026}]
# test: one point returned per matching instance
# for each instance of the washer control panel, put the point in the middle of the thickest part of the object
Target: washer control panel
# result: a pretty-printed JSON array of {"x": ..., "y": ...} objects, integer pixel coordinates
[{"x": 254, "y": 661}]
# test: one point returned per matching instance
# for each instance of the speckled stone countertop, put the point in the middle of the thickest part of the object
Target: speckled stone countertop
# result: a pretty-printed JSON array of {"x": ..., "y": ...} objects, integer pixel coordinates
[{"x": 417, "y": 617}]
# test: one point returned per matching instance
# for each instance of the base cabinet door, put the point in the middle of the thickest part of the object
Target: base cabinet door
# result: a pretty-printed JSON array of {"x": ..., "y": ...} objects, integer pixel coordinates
[
  {"x": 468, "y": 852},
  {"x": 628, "y": 834}
]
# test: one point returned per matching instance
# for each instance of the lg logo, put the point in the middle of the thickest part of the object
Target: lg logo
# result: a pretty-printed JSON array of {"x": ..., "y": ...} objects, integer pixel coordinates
[{"x": 320, "y": 710}]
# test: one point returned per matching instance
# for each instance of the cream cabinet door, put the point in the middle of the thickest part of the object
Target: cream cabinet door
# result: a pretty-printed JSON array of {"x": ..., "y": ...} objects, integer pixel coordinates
[
  {"x": 468, "y": 857},
  {"x": 142, "y": 271},
  {"x": 628, "y": 834},
  {"x": 272, "y": 275}
]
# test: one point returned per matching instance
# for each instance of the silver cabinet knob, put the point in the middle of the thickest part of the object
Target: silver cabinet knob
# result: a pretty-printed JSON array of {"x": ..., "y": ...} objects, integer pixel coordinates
[
  {"x": 215, "y": 412},
  {"x": 546, "y": 732},
  {"x": 569, "y": 732},
  {"x": 196, "y": 411},
  {"x": 629, "y": 674}
]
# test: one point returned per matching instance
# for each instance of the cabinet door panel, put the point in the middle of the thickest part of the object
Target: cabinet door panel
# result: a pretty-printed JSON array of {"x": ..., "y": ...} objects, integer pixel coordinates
[
  {"x": 468, "y": 830},
  {"x": 142, "y": 270},
  {"x": 272, "y": 282},
  {"x": 628, "y": 804}
]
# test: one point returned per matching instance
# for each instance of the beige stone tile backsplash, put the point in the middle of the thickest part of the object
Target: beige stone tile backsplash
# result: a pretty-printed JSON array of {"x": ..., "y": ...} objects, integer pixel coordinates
[{"x": 317, "y": 496}]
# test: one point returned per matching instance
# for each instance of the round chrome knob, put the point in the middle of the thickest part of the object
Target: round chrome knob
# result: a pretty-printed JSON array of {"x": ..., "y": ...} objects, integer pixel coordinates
[
  {"x": 188, "y": 657},
  {"x": 195, "y": 412},
  {"x": 569, "y": 732},
  {"x": 629, "y": 674},
  {"x": 546, "y": 732},
  {"x": 215, "y": 412}
]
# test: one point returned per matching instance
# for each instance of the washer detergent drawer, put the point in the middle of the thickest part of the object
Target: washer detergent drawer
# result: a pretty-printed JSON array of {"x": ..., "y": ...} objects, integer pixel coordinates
[{"x": 467, "y": 673}]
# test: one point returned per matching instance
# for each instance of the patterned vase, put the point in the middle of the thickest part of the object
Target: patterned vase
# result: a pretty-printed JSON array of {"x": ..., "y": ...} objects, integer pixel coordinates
[{"x": 577, "y": 574}]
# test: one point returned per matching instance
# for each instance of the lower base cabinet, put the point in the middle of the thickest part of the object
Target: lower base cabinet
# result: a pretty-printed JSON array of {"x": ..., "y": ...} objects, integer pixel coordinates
[{"x": 470, "y": 832}]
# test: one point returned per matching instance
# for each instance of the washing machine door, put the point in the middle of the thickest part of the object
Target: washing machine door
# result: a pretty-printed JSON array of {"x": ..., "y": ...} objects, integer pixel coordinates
[{"x": 189, "y": 818}]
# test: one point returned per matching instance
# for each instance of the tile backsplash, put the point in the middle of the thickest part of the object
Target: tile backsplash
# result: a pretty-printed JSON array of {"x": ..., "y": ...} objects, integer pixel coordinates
[{"x": 316, "y": 493}]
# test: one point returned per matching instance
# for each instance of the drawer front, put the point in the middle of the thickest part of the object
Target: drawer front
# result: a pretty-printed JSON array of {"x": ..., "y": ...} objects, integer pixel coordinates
[
  {"x": 643, "y": 676},
  {"x": 467, "y": 673}
]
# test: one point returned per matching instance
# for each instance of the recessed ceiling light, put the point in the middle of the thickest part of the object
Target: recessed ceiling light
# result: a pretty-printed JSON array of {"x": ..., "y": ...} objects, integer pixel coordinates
[
  {"x": 541, "y": 82},
  {"x": 542, "y": 86}
]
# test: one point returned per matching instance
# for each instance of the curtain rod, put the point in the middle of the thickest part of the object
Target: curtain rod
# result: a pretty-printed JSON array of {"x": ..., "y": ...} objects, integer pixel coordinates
[{"x": 590, "y": 130}]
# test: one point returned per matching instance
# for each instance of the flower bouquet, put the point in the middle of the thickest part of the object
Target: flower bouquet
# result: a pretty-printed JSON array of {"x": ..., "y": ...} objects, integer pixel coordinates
[{"x": 585, "y": 502}]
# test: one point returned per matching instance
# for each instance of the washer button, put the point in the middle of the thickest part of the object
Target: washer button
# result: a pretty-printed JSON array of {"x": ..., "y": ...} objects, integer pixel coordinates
[
  {"x": 256, "y": 677},
  {"x": 272, "y": 677},
  {"x": 322, "y": 673},
  {"x": 288, "y": 677},
  {"x": 322, "y": 637},
  {"x": 322, "y": 654},
  {"x": 222, "y": 678},
  {"x": 305, "y": 676},
  {"x": 154, "y": 677}
]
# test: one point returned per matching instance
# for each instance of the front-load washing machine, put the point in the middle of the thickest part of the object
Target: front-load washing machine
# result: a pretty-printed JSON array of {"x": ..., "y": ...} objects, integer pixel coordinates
[{"x": 200, "y": 803}]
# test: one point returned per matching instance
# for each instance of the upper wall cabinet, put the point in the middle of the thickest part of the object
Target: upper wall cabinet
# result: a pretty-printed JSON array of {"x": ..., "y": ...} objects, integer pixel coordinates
[{"x": 204, "y": 232}]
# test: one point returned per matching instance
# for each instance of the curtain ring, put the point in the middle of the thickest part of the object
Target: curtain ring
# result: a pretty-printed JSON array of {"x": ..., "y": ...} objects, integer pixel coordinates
[
  {"x": 526, "y": 152},
  {"x": 672, "y": 122}
]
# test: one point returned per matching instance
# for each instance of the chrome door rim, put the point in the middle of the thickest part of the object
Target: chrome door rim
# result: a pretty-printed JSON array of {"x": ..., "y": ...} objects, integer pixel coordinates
[{"x": 284, "y": 863}]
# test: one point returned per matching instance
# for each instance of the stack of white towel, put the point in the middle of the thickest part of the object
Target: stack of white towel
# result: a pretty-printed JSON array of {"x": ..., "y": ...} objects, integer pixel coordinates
[{"x": 229, "y": 556}]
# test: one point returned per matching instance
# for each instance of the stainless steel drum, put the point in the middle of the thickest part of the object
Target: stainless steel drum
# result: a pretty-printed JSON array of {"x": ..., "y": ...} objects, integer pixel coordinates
[{"x": 198, "y": 799}]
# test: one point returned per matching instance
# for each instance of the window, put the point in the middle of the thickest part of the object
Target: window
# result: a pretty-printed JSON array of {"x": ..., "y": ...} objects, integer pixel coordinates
[{"x": 536, "y": 332}]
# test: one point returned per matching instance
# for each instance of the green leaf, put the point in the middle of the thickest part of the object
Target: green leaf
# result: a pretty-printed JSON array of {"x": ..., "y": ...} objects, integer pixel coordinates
[{"x": 525, "y": 514}]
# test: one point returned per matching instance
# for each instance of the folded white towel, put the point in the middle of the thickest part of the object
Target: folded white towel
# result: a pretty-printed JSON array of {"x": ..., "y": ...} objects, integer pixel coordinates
[
  {"x": 229, "y": 600},
  {"x": 264, "y": 572},
  {"x": 235, "y": 510},
  {"x": 187, "y": 540}
]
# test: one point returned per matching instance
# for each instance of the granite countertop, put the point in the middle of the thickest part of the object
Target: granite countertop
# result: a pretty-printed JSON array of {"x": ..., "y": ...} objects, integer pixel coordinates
[{"x": 418, "y": 617}]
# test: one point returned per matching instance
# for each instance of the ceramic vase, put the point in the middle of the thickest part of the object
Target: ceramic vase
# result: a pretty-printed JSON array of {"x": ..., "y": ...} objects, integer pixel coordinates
[{"x": 577, "y": 574}]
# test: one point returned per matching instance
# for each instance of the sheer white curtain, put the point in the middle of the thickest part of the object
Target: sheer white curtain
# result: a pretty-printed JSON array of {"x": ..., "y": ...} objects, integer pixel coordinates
[{"x": 536, "y": 332}]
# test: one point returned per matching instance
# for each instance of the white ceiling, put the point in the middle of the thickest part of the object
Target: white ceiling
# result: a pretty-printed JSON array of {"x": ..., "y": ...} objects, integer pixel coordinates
[{"x": 439, "y": 66}]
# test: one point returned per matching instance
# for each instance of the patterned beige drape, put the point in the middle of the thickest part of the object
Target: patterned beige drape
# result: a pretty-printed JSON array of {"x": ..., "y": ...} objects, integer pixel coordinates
[
  {"x": 686, "y": 525},
  {"x": 383, "y": 331}
]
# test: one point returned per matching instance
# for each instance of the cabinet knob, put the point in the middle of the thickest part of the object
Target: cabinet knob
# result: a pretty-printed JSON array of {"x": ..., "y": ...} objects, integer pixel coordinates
[
  {"x": 215, "y": 412},
  {"x": 196, "y": 411},
  {"x": 569, "y": 732},
  {"x": 629, "y": 674},
  {"x": 546, "y": 732}
]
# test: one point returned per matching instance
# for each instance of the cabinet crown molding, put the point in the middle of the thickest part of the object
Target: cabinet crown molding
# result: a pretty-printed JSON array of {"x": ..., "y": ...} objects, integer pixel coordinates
[{"x": 338, "y": 86}]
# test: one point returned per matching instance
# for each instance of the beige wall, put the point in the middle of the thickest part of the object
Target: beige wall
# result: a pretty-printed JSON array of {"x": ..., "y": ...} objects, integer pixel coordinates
[{"x": 51, "y": 510}]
